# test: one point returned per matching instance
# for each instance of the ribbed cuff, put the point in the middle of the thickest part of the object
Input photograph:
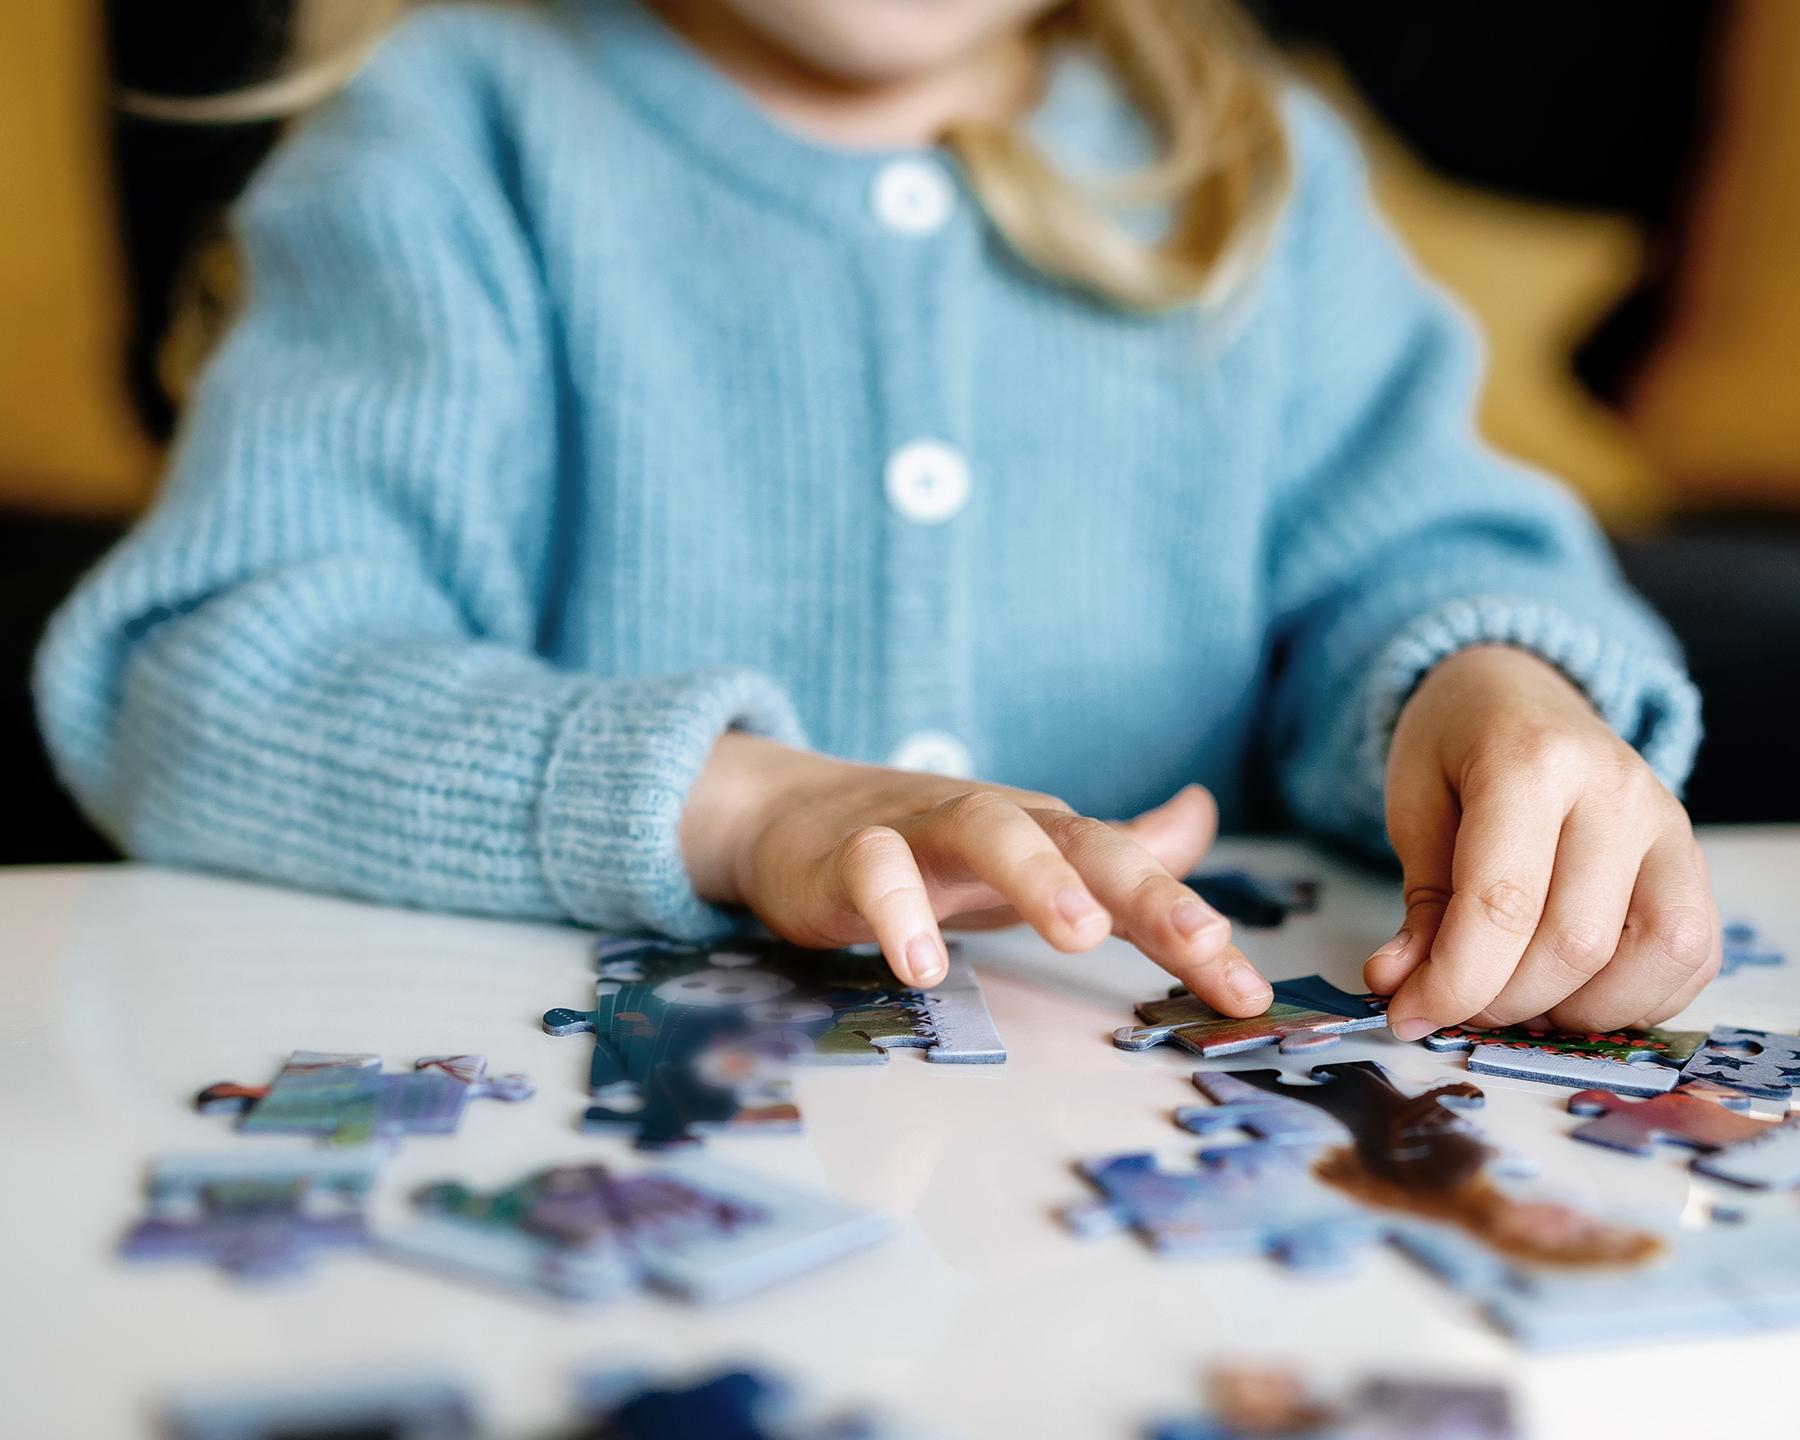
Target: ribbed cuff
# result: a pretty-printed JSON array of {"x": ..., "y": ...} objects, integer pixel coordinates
[
  {"x": 1638, "y": 687},
  {"x": 620, "y": 770}
]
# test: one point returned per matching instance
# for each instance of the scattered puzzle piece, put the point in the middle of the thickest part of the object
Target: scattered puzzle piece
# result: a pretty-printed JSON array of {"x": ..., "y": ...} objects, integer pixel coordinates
[
  {"x": 1674, "y": 1119},
  {"x": 1757, "y": 1062},
  {"x": 1252, "y": 1199},
  {"x": 403, "y": 1410},
  {"x": 1306, "y": 1013},
  {"x": 585, "y": 1232},
  {"x": 1258, "y": 1402},
  {"x": 1744, "y": 946},
  {"x": 1269, "y": 1117},
  {"x": 1769, "y": 1160},
  {"x": 257, "y": 1214},
  {"x": 734, "y": 1405},
  {"x": 351, "y": 1100},
  {"x": 1253, "y": 901},
  {"x": 1629, "y": 1062}
]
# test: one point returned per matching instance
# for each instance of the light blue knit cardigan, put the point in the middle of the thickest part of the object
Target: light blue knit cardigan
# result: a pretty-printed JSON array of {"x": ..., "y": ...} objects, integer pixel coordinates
[{"x": 551, "y": 443}]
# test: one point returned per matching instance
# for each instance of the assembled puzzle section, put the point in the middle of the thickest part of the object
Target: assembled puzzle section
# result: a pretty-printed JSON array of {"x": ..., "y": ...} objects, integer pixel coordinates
[
  {"x": 351, "y": 1100},
  {"x": 258, "y": 1214},
  {"x": 1629, "y": 1062},
  {"x": 1307, "y": 1013},
  {"x": 1763, "y": 1063},
  {"x": 693, "y": 1040},
  {"x": 588, "y": 1233}
]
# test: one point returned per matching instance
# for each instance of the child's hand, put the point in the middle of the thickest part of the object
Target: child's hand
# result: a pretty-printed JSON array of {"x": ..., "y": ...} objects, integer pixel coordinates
[
  {"x": 829, "y": 853},
  {"x": 1548, "y": 871}
]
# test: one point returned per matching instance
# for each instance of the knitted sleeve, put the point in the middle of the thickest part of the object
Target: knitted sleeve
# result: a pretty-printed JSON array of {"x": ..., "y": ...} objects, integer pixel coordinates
[
  {"x": 1401, "y": 539},
  {"x": 314, "y": 661}
]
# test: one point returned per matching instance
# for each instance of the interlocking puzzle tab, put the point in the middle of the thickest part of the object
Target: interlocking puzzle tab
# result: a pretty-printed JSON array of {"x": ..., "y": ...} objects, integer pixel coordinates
[
  {"x": 690, "y": 1040},
  {"x": 1628, "y": 1062},
  {"x": 1273, "y": 1118},
  {"x": 1273, "y": 1402},
  {"x": 1306, "y": 1014},
  {"x": 586, "y": 1233},
  {"x": 351, "y": 1100},
  {"x": 406, "y": 1409},
  {"x": 732, "y": 1405},
  {"x": 258, "y": 1214},
  {"x": 1757, "y": 1062}
]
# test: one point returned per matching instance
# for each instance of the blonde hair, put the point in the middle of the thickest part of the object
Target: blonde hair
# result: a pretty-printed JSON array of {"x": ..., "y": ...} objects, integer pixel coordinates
[
  {"x": 1195, "y": 68},
  {"x": 1198, "y": 73}
]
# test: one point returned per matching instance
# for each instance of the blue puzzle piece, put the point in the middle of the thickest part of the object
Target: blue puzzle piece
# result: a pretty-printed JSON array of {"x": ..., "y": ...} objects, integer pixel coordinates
[
  {"x": 1756, "y": 1062},
  {"x": 1253, "y": 1199},
  {"x": 403, "y": 1410},
  {"x": 733, "y": 1405},
  {"x": 258, "y": 1214},
  {"x": 1272, "y": 1118},
  {"x": 1744, "y": 946}
]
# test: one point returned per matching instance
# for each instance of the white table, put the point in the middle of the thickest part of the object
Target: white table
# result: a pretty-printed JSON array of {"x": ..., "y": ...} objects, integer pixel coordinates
[{"x": 124, "y": 989}]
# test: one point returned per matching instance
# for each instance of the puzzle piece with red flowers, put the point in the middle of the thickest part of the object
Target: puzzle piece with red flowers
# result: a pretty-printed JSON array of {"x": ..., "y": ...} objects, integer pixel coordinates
[{"x": 1630, "y": 1062}]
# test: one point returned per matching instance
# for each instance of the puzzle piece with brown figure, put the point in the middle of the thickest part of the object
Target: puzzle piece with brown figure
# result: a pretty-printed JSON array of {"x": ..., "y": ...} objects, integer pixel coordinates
[{"x": 1306, "y": 1013}]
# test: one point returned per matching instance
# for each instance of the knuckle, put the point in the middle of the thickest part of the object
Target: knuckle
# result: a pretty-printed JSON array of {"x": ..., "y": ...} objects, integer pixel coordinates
[
  {"x": 1424, "y": 897},
  {"x": 1580, "y": 947},
  {"x": 1037, "y": 800},
  {"x": 1508, "y": 906},
  {"x": 968, "y": 807},
  {"x": 1685, "y": 936},
  {"x": 1083, "y": 834},
  {"x": 865, "y": 849}
]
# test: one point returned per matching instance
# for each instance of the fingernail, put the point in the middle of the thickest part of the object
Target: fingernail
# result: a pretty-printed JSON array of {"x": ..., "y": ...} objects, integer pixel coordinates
[
  {"x": 1413, "y": 1028},
  {"x": 1075, "y": 905},
  {"x": 1394, "y": 946},
  {"x": 925, "y": 958},
  {"x": 1190, "y": 917},
  {"x": 1245, "y": 984}
]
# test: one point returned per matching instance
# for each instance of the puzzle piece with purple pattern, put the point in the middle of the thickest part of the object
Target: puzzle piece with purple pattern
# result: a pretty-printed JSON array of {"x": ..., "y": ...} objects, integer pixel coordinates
[
  {"x": 258, "y": 1214},
  {"x": 1628, "y": 1062},
  {"x": 1756, "y": 1062},
  {"x": 585, "y": 1232},
  {"x": 1273, "y": 1403},
  {"x": 1676, "y": 1118},
  {"x": 1252, "y": 1199},
  {"x": 1307, "y": 1013},
  {"x": 1275, "y": 1119},
  {"x": 351, "y": 1100}
]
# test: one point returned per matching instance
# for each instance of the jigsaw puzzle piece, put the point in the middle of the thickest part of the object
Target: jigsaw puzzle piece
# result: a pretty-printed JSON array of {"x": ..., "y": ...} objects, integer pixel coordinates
[
  {"x": 586, "y": 1233},
  {"x": 733, "y": 1405},
  {"x": 1768, "y": 1160},
  {"x": 1252, "y": 1199},
  {"x": 1743, "y": 946},
  {"x": 418, "y": 1409},
  {"x": 257, "y": 1214},
  {"x": 1306, "y": 1013},
  {"x": 1674, "y": 1119},
  {"x": 1273, "y": 1118},
  {"x": 350, "y": 1100},
  {"x": 1253, "y": 901},
  {"x": 1756, "y": 1062},
  {"x": 1628, "y": 1062},
  {"x": 1256, "y": 1402},
  {"x": 1587, "y": 1072}
]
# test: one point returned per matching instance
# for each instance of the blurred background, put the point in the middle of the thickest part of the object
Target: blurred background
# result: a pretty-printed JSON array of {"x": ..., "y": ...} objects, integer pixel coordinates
[{"x": 1611, "y": 187}]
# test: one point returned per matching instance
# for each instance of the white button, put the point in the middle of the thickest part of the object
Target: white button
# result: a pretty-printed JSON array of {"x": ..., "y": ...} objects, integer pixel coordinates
[
  {"x": 913, "y": 197},
  {"x": 927, "y": 481},
  {"x": 933, "y": 752}
]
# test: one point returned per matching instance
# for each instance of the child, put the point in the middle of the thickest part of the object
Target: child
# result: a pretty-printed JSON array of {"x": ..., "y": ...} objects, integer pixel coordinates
[{"x": 655, "y": 438}]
